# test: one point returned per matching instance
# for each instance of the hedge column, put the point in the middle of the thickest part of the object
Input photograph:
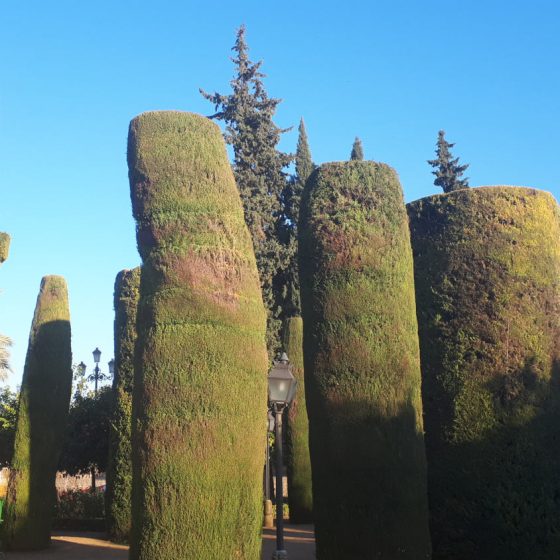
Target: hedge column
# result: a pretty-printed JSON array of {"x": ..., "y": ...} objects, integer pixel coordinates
[
  {"x": 300, "y": 494},
  {"x": 43, "y": 407},
  {"x": 487, "y": 265},
  {"x": 119, "y": 468},
  {"x": 362, "y": 368},
  {"x": 200, "y": 385}
]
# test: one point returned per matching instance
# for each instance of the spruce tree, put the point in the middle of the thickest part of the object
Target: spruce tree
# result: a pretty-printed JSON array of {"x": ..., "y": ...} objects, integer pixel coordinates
[
  {"x": 357, "y": 153},
  {"x": 259, "y": 172},
  {"x": 447, "y": 169}
]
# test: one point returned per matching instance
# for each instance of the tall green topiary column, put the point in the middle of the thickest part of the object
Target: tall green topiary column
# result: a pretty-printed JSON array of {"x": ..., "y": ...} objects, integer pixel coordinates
[
  {"x": 200, "y": 383},
  {"x": 300, "y": 494},
  {"x": 487, "y": 266},
  {"x": 4, "y": 246},
  {"x": 119, "y": 468},
  {"x": 362, "y": 368},
  {"x": 41, "y": 421}
]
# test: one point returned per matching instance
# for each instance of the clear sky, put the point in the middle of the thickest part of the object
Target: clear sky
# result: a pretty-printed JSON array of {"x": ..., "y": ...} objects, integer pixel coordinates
[{"x": 73, "y": 74}]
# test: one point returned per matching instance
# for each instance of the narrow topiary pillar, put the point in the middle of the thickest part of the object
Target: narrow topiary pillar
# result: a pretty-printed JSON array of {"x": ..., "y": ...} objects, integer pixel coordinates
[
  {"x": 4, "y": 246},
  {"x": 119, "y": 467},
  {"x": 362, "y": 368},
  {"x": 300, "y": 495},
  {"x": 200, "y": 383},
  {"x": 43, "y": 407},
  {"x": 487, "y": 266}
]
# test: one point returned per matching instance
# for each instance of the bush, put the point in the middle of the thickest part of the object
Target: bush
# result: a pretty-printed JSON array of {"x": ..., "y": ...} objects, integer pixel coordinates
[
  {"x": 80, "y": 504},
  {"x": 362, "y": 370},
  {"x": 487, "y": 267},
  {"x": 200, "y": 366}
]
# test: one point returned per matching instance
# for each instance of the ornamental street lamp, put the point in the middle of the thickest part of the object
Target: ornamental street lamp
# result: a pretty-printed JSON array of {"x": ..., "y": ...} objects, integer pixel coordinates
[
  {"x": 281, "y": 391},
  {"x": 97, "y": 374}
]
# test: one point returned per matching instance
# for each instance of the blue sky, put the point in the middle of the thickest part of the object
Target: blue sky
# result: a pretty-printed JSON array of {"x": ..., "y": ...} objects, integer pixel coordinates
[{"x": 73, "y": 74}]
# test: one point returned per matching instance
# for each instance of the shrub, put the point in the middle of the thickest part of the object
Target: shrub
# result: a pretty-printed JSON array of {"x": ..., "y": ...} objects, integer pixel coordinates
[
  {"x": 43, "y": 408},
  {"x": 199, "y": 404},
  {"x": 487, "y": 267},
  {"x": 362, "y": 369},
  {"x": 119, "y": 469},
  {"x": 298, "y": 463}
]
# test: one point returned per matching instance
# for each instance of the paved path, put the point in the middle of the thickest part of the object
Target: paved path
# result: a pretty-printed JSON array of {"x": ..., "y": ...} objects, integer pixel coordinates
[{"x": 299, "y": 541}]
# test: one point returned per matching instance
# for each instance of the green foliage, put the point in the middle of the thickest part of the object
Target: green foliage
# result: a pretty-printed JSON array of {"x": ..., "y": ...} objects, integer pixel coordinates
[
  {"x": 362, "y": 369},
  {"x": 292, "y": 201},
  {"x": 119, "y": 470},
  {"x": 259, "y": 173},
  {"x": 4, "y": 246},
  {"x": 43, "y": 408},
  {"x": 8, "y": 416},
  {"x": 448, "y": 171},
  {"x": 357, "y": 153},
  {"x": 80, "y": 504},
  {"x": 5, "y": 343},
  {"x": 487, "y": 268},
  {"x": 200, "y": 365},
  {"x": 297, "y": 431},
  {"x": 87, "y": 432}
]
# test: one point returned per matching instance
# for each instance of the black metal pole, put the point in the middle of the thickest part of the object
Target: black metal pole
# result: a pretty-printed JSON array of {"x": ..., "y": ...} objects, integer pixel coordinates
[
  {"x": 267, "y": 471},
  {"x": 279, "y": 482},
  {"x": 96, "y": 377}
]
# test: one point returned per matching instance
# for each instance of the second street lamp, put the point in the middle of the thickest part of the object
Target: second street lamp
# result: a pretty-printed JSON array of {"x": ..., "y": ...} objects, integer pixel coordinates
[
  {"x": 97, "y": 374},
  {"x": 281, "y": 391}
]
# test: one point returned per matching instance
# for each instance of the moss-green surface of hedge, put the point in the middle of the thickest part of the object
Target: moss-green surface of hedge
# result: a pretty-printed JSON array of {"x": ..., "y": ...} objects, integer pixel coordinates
[
  {"x": 4, "y": 246},
  {"x": 298, "y": 462},
  {"x": 487, "y": 267},
  {"x": 362, "y": 370},
  {"x": 200, "y": 370},
  {"x": 41, "y": 421},
  {"x": 119, "y": 468}
]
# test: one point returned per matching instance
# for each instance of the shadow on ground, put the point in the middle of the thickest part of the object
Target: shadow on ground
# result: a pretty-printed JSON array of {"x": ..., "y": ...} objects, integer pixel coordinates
[{"x": 299, "y": 542}]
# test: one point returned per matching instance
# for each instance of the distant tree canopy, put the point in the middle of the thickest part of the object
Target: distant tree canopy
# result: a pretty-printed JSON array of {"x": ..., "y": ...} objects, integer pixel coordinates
[
  {"x": 87, "y": 433},
  {"x": 447, "y": 169},
  {"x": 357, "y": 152},
  {"x": 259, "y": 172},
  {"x": 8, "y": 415}
]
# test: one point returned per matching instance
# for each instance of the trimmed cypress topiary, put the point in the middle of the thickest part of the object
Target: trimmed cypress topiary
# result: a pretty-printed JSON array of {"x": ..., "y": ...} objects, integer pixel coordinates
[
  {"x": 487, "y": 266},
  {"x": 41, "y": 421},
  {"x": 119, "y": 468},
  {"x": 300, "y": 495},
  {"x": 362, "y": 366},
  {"x": 4, "y": 246},
  {"x": 200, "y": 365}
]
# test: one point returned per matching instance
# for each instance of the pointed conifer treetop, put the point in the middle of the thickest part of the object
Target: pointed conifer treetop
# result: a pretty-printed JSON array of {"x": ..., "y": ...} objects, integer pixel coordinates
[
  {"x": 259, "y": 172},
  {"x": 357, "y": 153},
  {"x": 447, "y": 169}
]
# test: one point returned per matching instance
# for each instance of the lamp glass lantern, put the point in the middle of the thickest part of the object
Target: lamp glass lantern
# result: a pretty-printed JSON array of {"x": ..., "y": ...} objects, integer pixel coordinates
[
  {"x": 96, "y": 355},
  {"x": 111, "y": 365},
  {"x": 281, "y": 383}
]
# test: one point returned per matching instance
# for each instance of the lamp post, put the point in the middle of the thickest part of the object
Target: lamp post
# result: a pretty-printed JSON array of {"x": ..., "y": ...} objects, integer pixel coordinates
[
  {"x": 268, "y": 515},
  {"x": 97, "y": 374},
  {"x": 281, "y": 391}
]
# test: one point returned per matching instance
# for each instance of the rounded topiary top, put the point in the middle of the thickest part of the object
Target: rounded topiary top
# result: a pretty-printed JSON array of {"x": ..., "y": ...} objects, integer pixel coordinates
[{"x": 487, "y": 271}]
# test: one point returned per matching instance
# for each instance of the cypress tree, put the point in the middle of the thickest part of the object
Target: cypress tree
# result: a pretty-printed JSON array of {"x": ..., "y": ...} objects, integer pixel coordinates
[
  {"x": 199, "y": 389},
  {"x": 300, "y": 495},
  {"x": 119, "y": 469},
  {"x": 357, "y": 153},
  {"x": 259, "y": 173},
  {"x": 487, "y": 268},
  {"x": 447, "y": 169},
  {"x": 43, "y": 407},
  {"x": 362, "y": 366}
]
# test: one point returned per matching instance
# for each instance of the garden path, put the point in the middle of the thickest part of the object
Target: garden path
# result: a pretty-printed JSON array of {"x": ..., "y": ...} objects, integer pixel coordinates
[{"x": 299, "y": 542}]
